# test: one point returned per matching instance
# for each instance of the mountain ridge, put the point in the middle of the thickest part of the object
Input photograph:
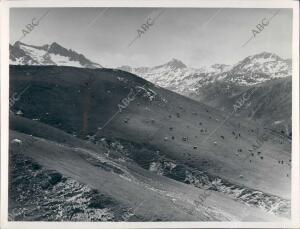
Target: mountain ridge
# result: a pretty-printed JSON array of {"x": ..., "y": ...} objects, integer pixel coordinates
[
  {"x": 53, "y": 54},
  {"x": 250, "y": 70}
]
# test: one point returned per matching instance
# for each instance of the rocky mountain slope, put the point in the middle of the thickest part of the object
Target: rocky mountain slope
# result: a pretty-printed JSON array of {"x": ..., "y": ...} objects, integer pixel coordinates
[
  {"x": 53, "y": 54},
  {"x": 176, "y": 76},
  {"x": 182, "y": 79}
]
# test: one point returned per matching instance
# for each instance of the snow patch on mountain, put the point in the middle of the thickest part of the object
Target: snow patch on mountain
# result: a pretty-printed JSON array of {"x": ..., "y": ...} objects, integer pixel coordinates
[
  {"x": 175, "y": 75},
  {"x": 54, "y": 54},
  {"x": 258, "y": 69}
]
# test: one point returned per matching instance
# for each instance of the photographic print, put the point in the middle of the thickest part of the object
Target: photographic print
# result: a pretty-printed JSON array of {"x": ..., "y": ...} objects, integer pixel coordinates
[{"x": 150, "y": 114}]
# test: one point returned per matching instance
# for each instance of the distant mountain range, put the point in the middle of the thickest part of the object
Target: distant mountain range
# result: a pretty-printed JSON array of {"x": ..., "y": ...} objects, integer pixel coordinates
[
  {"x": 53, "y": 54},
  {"x": 173, "y": 75},
  {"x": 176, "y": 76}
]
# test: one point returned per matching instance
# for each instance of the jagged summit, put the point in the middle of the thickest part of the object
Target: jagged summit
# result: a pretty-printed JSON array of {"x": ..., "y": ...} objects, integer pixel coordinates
[
  {"x": 173, "y": 64},
  {"x": 267, "y": 55},
  {"x": 53, "y": 54}
]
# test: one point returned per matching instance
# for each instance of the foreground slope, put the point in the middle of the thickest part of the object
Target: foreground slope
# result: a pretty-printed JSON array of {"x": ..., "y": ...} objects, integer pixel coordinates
[{"x": 127, "y": 192}]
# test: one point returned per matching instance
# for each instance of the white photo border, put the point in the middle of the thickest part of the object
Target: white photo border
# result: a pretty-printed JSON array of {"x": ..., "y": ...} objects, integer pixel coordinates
[{"x": 295, "y": 191}]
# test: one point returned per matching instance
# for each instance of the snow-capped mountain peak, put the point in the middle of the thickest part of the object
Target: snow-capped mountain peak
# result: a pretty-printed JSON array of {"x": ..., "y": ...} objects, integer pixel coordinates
[
  {"x": 176, "y": 76},
  {"x": 259, "y": 68},
  {"x": 174, "y": 64},
  {"x": 19, "y": 44},
  {"x": 266, "y": 56},
  {"x": 53, "y": 54}
]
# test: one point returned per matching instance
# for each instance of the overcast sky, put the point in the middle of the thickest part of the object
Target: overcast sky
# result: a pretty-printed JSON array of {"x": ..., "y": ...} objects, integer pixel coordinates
[{"x": 195, "y": 36}]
